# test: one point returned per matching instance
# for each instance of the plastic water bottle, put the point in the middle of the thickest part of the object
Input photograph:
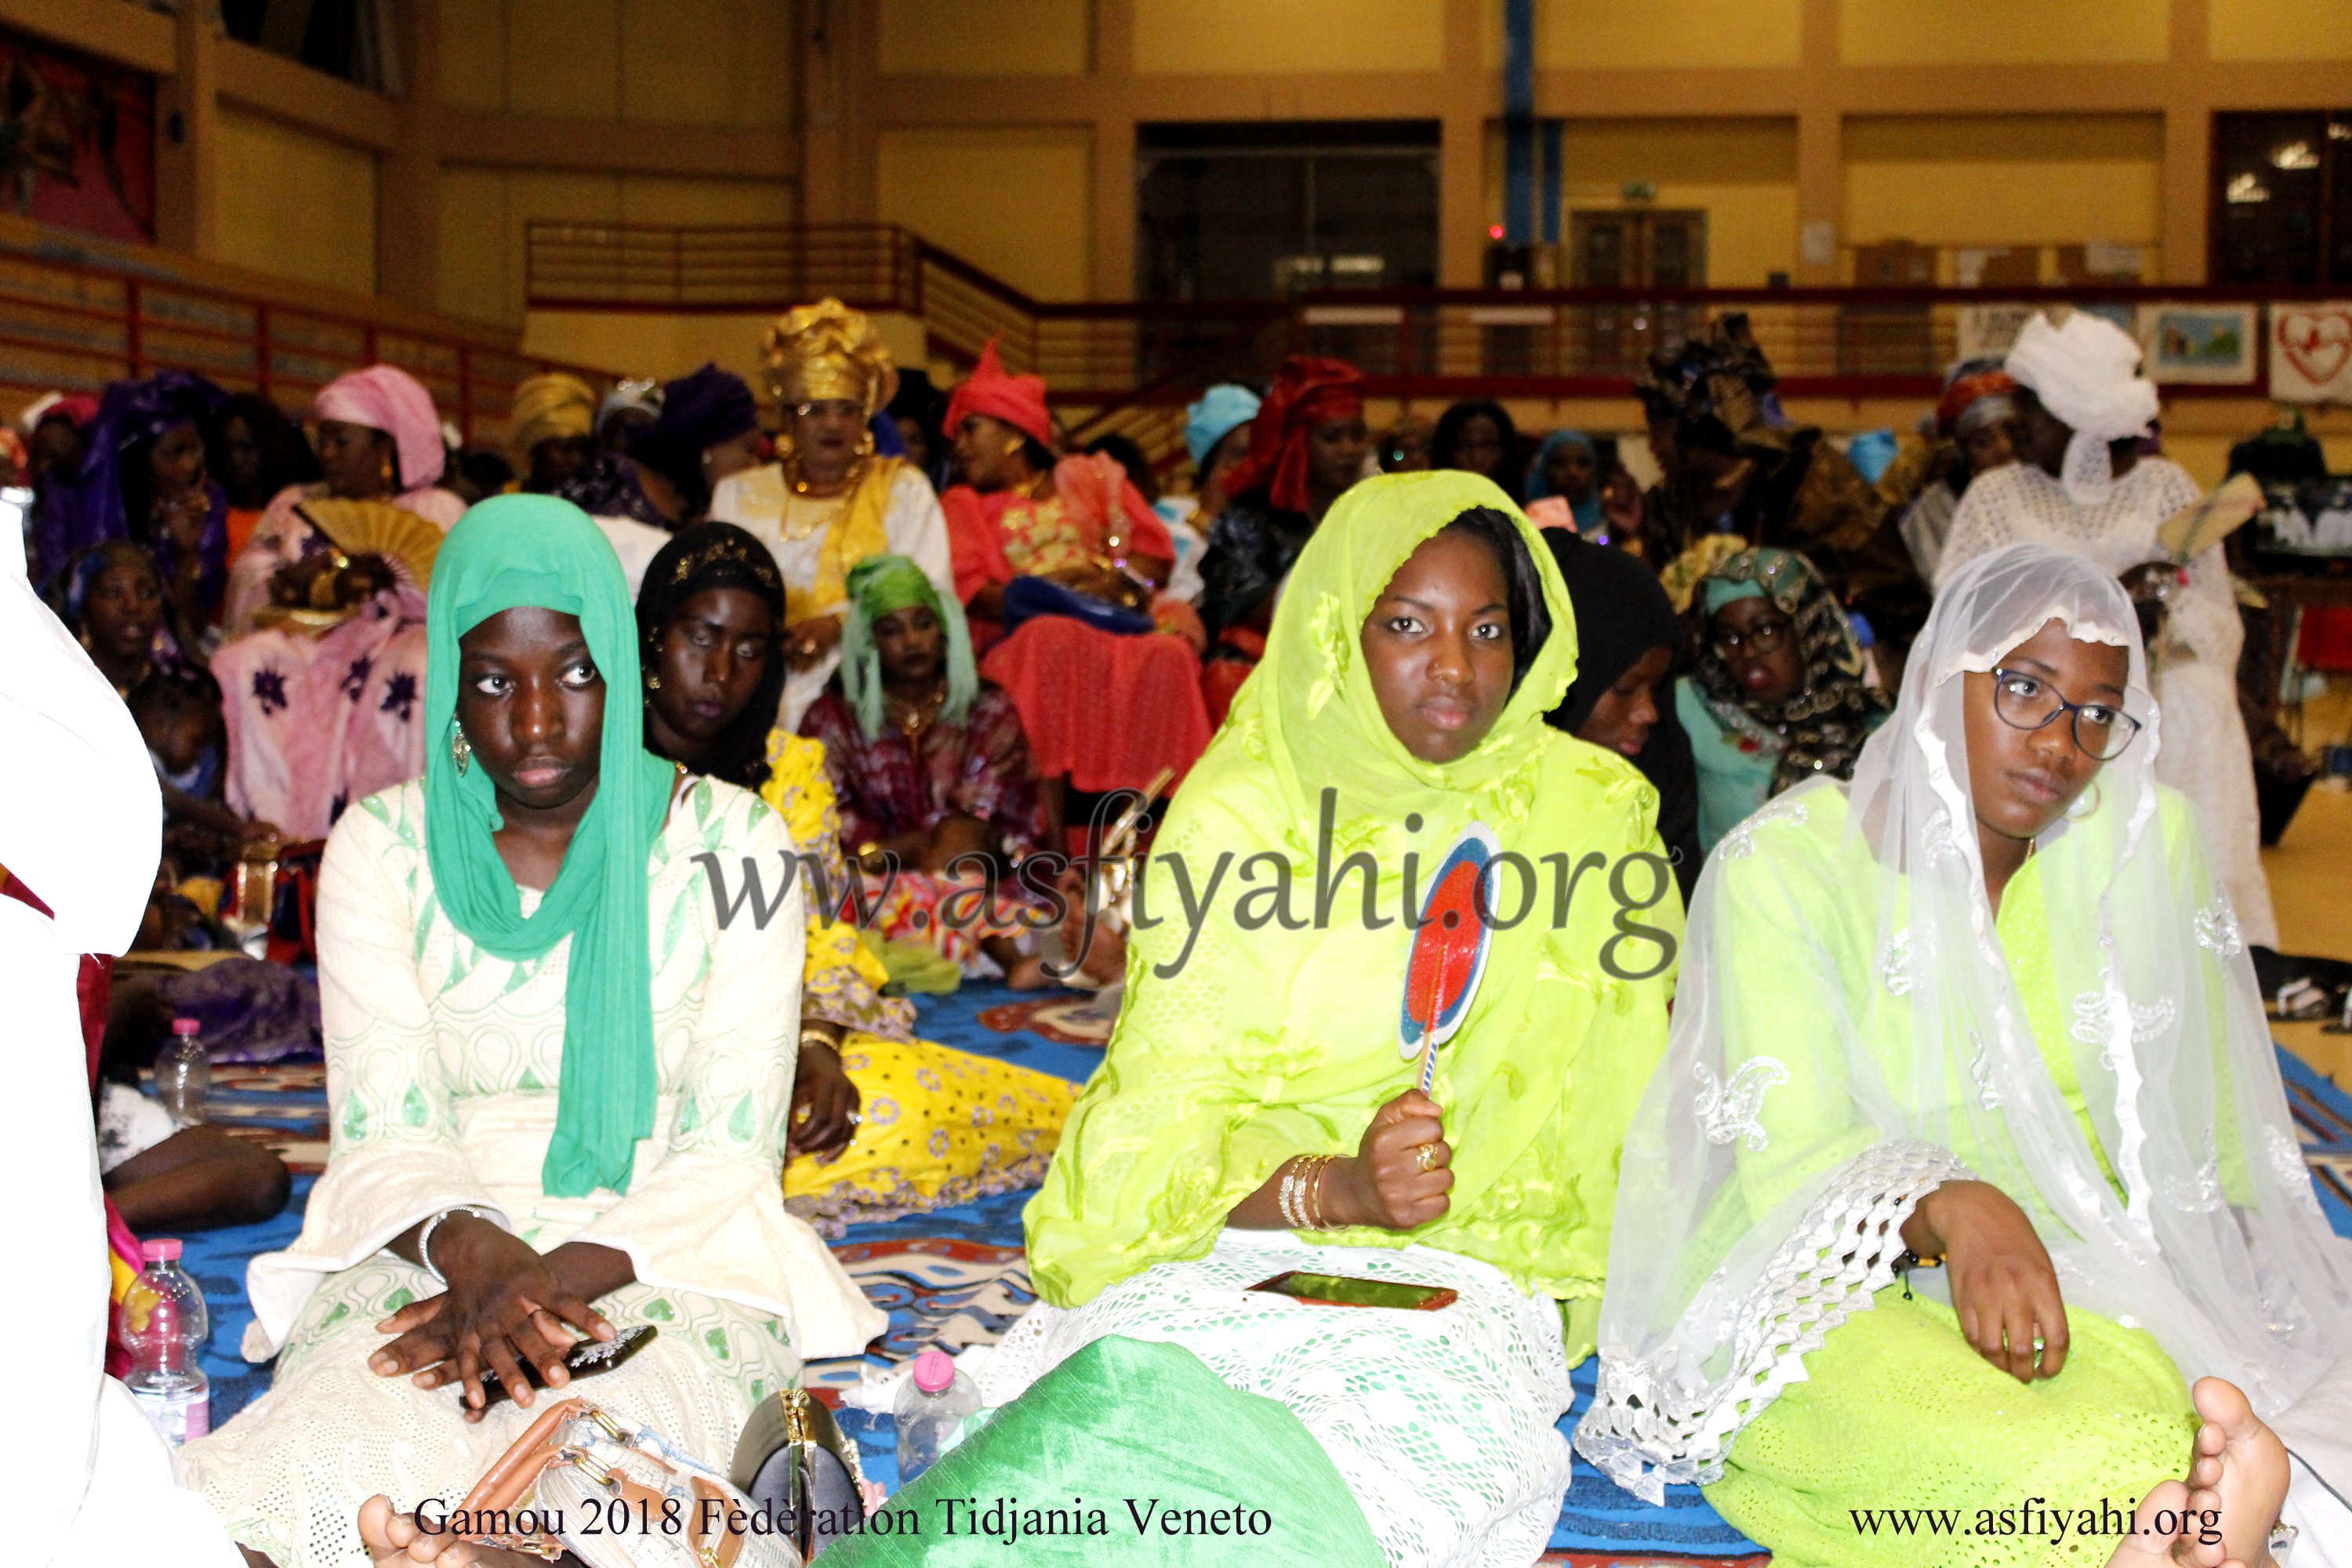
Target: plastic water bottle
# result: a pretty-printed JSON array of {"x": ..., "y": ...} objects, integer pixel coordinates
[
  {"x": 163, "y": 1326},
  {"x": 184, "y": 1073},
  {"x": 932, "y": 1406}
]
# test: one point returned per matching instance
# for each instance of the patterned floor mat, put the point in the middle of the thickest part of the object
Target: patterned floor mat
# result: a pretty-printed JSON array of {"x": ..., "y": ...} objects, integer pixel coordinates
[{"x": 958, "y": 1278}]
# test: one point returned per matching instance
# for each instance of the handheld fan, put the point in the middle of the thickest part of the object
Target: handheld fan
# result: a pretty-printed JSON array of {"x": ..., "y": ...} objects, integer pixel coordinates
[{"x": 1449, "y": 951}]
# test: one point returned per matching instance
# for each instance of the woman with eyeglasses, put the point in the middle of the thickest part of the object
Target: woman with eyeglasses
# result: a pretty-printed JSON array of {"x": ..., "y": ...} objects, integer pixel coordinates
[
  {"x": 1777, "y": 695},
  {"x": 830, "y": 500},
  {"x": 1970, "y": 1153}
]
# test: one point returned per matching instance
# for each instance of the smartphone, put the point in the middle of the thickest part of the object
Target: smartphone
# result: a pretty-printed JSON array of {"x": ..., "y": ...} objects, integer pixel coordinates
[
  {"x": 586, "y": 1359},
  {"x": 1344, "y": 1291}
]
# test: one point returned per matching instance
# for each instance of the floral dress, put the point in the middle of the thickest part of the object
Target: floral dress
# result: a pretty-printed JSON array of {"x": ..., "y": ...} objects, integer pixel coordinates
[{"x": 443, "y": 1069}]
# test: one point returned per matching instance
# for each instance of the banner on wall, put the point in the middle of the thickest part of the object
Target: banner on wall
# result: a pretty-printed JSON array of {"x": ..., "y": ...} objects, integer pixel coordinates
[
  {"x": 76, "y": 140},
  {"x": 2206, "y": 345},
  {"x": 2311, "y": 352}
]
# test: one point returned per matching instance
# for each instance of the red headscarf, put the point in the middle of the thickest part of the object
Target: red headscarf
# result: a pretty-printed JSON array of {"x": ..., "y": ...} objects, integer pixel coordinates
[
  {"x": 1966, "y": 393},
  {"x": 1018, "y": 400},
  {"x": 1307, "y": 391}
]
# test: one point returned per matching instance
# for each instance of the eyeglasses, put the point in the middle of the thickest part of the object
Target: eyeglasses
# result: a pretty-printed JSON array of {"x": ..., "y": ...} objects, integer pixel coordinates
[
  {"x": 2029, "y": 702},
  {"x": 1765, "y": 637}
]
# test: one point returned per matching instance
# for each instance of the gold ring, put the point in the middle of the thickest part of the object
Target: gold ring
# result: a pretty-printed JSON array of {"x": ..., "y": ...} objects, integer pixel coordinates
[
  {"x": 800, "y": 1115},
  {"x": 1425, "y": 1156}
]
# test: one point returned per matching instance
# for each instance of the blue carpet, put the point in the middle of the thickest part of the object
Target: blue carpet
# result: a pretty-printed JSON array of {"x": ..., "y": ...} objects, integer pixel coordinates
[{"x": 1597, "y": 1516}]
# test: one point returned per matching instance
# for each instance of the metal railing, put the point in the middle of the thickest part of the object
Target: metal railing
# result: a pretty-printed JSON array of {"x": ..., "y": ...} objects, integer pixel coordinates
[
  {"x": 1854, "y": 341},
  {"x": 75, "y": 324},
  {"x": 1101, "y": 359}
]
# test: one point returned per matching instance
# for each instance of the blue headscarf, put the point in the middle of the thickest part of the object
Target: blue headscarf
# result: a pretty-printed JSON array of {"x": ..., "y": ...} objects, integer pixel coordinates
[
  {"x": 1586, "y": 512},
  {"x": 1222, "y": 409}
]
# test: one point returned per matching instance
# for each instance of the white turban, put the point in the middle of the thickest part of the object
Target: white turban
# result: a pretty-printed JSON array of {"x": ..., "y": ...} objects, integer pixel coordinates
[{"x": 2086, "y": 373}]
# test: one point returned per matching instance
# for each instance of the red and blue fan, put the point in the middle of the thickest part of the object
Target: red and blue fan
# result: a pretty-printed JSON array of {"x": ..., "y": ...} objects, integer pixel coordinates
[{"x": 1449, "y": 951}]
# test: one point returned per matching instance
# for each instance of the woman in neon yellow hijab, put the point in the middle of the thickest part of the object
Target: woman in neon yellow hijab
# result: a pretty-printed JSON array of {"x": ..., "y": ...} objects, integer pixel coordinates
[{"x": 1421, "y": 639}]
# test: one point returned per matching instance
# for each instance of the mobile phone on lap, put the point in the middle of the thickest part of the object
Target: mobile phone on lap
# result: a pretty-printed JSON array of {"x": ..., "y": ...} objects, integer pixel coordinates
[
  {"x": 586, "y": 1359},
  {"x": 1345, "y": 1290}
]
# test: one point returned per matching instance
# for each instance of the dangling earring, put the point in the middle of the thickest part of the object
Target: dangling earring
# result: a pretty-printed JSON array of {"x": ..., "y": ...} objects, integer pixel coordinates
[
  {"x": 2078, "y": 811},
  {"x": 1013, "y": 446},
  {"x": 866, "y": 442},
  {"x": 461, "y": 750}
]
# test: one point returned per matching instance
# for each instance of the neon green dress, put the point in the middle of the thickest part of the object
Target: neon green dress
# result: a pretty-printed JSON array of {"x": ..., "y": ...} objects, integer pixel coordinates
[{"x": 1898, "y": 1410}]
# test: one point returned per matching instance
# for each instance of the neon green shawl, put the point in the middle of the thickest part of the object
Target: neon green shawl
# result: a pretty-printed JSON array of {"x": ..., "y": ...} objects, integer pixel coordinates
[
  {"x": 524, "y": 549},
  {"x": 1259, "y": 1044}
]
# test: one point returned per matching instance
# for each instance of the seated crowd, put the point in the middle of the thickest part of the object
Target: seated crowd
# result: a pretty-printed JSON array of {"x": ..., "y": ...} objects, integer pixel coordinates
[{"x": 1924, "y": 978}]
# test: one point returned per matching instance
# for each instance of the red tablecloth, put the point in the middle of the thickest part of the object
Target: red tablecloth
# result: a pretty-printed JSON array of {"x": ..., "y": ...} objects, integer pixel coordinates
[{"x": 1109, "y": 712}]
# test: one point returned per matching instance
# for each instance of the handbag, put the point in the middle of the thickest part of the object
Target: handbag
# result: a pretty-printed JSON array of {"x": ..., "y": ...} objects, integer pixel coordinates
[
  {"x": 794, "y": 1461},
  {"x": 612, "y": 1495},
  {"x": 1026, "y": 599}
]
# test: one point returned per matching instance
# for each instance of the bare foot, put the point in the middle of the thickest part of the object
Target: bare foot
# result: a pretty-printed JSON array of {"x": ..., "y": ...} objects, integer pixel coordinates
[
  {"x": 2243, "y": 1461},
  {"x": 392, "y": 1537},
  {"x": 2166, "y": 1508}
]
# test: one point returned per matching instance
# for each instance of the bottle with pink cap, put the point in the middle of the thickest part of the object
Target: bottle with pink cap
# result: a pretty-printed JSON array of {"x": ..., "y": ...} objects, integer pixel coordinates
[
  {"x": 184, "y": 1073},
  {"x": 933, "y": 1405},
  {"x": 163, "y": 1326}
]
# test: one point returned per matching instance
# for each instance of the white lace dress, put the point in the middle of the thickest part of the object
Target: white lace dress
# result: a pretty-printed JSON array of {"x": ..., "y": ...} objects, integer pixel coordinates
[
  {"x": 1443, "y": 1423},
  {"x": 443, "y": 1064},
  {"x": 2205, "y": 752}
]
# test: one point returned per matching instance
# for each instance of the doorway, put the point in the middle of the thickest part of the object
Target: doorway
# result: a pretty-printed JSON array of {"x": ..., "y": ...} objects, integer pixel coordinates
[{"x": 1633, "y": 248}]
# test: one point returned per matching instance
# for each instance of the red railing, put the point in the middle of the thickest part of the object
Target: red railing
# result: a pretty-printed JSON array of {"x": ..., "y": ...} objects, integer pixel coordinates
[{"x": 74, "y": 323}]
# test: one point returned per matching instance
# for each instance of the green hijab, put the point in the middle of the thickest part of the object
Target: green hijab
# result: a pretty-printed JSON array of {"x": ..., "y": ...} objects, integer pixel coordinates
[
  {"x": 509, "y": 552},
  {"x": 1256, "y": 1042},
  {"x": 880, "y": 585}
]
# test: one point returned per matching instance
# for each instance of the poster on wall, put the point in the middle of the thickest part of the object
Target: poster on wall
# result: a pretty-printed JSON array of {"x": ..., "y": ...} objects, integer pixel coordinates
[
  {"x": 2311, "y": 352},
  {"x": 2210, "y": 345},
  {"x": 1989, "y": 331},
  {"x": 76, "y": 140}
]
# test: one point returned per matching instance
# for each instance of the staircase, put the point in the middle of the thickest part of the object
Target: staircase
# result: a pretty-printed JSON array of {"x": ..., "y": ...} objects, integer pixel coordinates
[{"x": 1126, "y": 369}]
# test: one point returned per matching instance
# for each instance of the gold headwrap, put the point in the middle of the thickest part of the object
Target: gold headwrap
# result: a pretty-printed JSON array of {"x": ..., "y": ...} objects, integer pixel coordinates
[
  {"x": 551, "y": 407},
  {"x": 818, "y": 352}
]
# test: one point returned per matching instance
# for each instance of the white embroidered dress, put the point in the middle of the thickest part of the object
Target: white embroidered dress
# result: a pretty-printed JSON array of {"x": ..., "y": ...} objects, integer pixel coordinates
[
  {"x": 2205, "y": 755},
  {"x": 443, "y": 1066}
]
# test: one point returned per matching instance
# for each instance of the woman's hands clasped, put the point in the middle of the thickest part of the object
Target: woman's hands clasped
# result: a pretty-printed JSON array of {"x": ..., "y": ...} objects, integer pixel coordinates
[{"x": 506, "y": 1306}]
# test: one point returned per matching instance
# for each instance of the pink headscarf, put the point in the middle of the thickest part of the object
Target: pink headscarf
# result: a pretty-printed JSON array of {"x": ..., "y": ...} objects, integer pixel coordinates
[{"x": 392, "y": 401}]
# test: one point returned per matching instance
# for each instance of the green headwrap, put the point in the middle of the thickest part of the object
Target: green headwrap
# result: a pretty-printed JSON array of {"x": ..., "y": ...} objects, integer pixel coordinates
[
  {"x": 509, "y": 552},
  {"x": 879, "y": 586},
  {"x": 1274, "y": 1034}
]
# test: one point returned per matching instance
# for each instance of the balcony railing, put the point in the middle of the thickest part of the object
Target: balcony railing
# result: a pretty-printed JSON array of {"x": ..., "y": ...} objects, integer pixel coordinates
[
  {"x": 76, "y": 324},
  {"x": 1859, "y": 342}
]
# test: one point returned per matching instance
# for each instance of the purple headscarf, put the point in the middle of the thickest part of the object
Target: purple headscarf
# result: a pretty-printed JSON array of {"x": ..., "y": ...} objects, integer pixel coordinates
[
  {"x": 132, "y": 415},
  {"x": 701, "y": 410}
]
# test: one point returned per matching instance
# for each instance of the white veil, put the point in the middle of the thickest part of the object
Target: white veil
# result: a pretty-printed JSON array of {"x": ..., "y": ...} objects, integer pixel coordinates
[{"x": 1847, "y": 1036}]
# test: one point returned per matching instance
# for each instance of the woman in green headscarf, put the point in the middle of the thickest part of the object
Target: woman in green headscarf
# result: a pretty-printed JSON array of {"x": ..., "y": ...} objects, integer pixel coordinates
[
  {"x": 932, "y": 771},
  {"x": 1778, "y": 693},
  {"x": 559, "y": 1060},
  {"x": 1254, "y": 1115}
]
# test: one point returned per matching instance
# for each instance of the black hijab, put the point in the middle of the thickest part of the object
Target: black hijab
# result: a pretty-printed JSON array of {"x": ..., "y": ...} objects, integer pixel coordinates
[
  {"x": 698, "y": 559},
  {"x": 1621, "y": 612}
]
